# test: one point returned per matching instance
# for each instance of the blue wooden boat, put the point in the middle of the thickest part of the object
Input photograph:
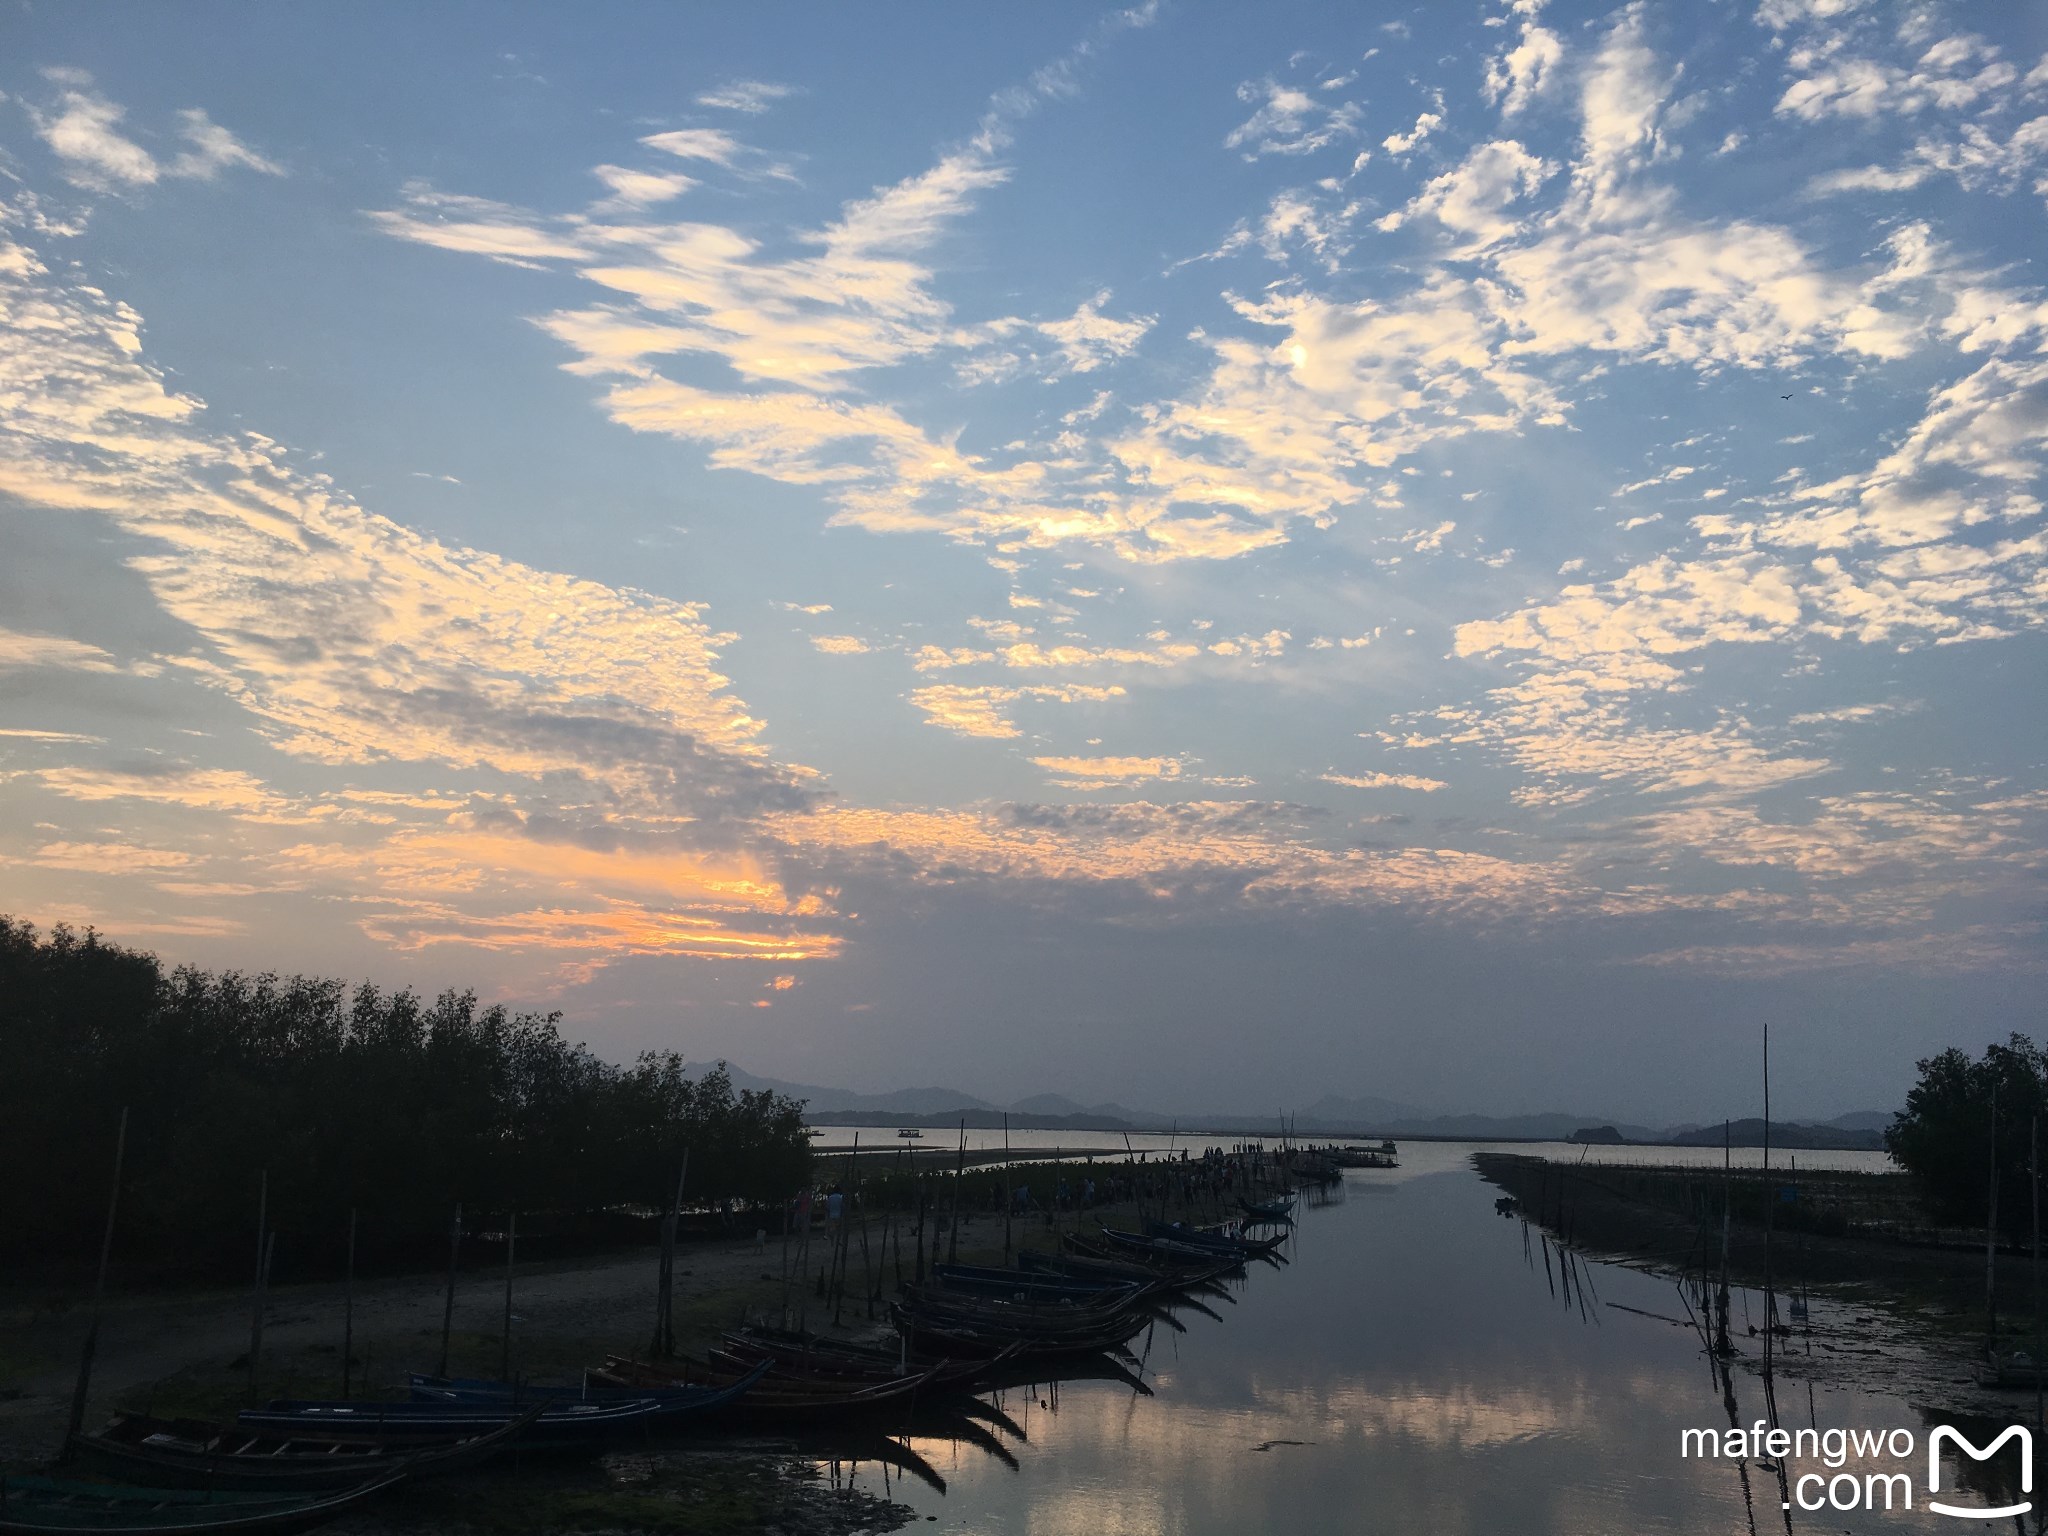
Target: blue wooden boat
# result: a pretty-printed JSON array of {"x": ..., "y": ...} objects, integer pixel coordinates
[
  {"x": 677, "y": 1399},
  {"x": 561, "y": 1425},
  {"x": 185, "y": 1453},
  {"x": 48, "y": 1506}
]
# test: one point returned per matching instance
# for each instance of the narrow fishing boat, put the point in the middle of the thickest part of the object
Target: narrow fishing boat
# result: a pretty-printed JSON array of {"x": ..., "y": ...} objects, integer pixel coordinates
[
  {"x": 183, "y": 1453},
  {"x": 1269, "y": 1210},
  {"x": 560, "y": 1425},
  {"x": 1229, "y": 1238},
  {"x": 47, "y": 1506},
  {"x": 779, "y": 1397},
  {"x": 814, "y": 1354}
]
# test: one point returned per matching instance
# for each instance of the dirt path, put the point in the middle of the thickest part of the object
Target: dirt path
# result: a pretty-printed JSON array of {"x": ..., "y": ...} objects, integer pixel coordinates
[{"x": 188, "y": 1354}]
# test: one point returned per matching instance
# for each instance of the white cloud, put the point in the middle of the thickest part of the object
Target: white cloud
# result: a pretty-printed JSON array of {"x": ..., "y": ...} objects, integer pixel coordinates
[
  {"x": 1401, "y": 143},
  {"x": 1384, "y": 781},
  {"x": 84, "y": 131},
  {"x": 1519, "y": 75},
  {"x": 752, "y": 97},
  {"x": 1088, "y": 339},
  {"x": 1288, "y": 120}
]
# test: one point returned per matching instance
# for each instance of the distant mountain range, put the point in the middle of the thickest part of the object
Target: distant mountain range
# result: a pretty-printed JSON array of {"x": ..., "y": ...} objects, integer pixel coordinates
[{"x": 1328, "y": 1116}]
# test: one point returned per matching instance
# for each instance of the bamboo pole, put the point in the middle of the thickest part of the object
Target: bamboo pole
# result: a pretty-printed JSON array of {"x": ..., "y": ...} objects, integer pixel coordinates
[
  {"x": 1770, "y": 1205},
  {"x": 665, "y": 1279},
  {"x": 1991, "y": 1241},
  {"x": 262, "y": 1306},
  {"x": 348, "y": 1310},
  {"x": 256, "y": 1287},
  {"x": 448, "y": 1305},
  {"x": 953, "y": 1226},
  {"x": 99, "y": 1291},
  {"x": 2034, "y": 1180},
  {"x": 511, "y": 1240},
  {"x": 1009, "y": 1187},
  {"x": 923, "y": 1206},
  {"x": 839, "y": 1246},
  {"x": 867, "y": 1268}
]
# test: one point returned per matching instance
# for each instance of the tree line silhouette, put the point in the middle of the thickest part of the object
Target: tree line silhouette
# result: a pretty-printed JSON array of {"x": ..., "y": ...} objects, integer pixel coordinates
[{"x": 336, "y": 1099}]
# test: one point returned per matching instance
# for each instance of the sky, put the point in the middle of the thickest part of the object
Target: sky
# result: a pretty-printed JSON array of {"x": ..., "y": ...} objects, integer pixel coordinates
[{"x": 1199, "y": 556}]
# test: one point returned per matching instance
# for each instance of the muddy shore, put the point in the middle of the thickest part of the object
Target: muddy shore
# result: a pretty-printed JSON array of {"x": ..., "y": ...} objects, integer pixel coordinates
[
  {"x": 1902, "y": 1318},
  {"x": 187, "y": 1355}
]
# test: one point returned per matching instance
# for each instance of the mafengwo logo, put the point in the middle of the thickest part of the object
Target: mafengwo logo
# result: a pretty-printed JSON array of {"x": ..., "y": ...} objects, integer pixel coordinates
[{"x": 1842, "y": 1490}]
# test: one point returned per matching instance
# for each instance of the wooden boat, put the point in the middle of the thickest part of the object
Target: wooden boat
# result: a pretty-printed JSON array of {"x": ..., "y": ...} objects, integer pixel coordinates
[
  {"x": 184, "y": 1453},
  {"x": 1035, "y": 1285},
  {"x": 1197, "y": 1269},
  {"x": 1172, "y": 1249},
  {"x": 911, "y": 1133},
  {"x": 560, "y": 1425},
  {"x": 47, "y": 1506},
  {"x": 1268, "y": 1210},
  {"x": 679, "y": 1401},
  {"x": 1219, "y": 1239},
  {"x": 813, "y": 1354},
  {"x": 968, "y": 1333},
  {"x": 778, "y": 1397}
]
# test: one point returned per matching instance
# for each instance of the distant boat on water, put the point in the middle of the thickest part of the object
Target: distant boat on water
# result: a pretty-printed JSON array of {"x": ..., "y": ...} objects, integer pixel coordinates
[{"x": 911, "y": 1133}]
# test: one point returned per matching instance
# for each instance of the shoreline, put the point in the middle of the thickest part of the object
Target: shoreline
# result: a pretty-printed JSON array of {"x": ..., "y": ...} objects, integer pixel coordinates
[{"x": 1900, "y": 1318}]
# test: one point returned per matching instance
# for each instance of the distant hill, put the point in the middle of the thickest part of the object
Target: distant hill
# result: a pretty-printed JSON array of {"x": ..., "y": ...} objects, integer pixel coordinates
[
  {"x": 1331, "y": 1115},
  {"x": 1863, "y": 1120},
  {"x": 914, "y": 1101},
  {"x": 975, "y": 1120},
  {"x": 1334, "y": 1113},
  {"x": 1750, "y": 1133}
]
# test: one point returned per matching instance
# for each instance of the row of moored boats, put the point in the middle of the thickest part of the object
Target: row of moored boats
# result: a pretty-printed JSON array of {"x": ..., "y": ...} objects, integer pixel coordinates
[{"x": 963, "y": 1329}]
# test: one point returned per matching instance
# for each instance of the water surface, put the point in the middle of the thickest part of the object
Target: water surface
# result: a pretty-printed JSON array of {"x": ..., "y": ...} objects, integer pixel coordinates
[{"x": 1436, "y": 1379}]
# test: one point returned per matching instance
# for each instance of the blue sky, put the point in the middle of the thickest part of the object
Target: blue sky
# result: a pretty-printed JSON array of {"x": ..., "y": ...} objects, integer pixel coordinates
[{"x": 1197, "y": 556}]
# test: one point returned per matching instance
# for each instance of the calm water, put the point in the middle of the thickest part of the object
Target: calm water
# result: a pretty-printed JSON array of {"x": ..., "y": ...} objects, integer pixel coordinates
[
  {"x": 1417, "y": 1155},
  {"x": 1436, "y": 1383}
]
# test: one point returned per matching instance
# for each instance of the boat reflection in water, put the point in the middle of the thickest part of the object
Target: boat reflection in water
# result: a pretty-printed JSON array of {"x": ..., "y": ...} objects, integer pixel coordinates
[{"x": 1409, "y": 1369}]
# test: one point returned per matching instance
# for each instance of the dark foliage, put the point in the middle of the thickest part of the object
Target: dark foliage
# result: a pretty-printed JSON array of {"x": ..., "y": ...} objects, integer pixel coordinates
[
  {"x": 374, "y": 1100},
  {"x": 1944, "y": 1137}
]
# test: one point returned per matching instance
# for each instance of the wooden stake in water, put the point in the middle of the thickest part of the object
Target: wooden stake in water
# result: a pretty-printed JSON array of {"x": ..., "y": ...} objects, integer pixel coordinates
[
  {"x": 99, "y": 1291},
  {"x": 2034, "y": 1179},
  {"x": 953, "y": 1225},
  {"x": 1009, "y": 1188},
  {"x": 511, "y": 1238},
  {"x": 665, "y": 1281},
  {"x": 1991, "y": 1241},
  {"x": 448, "y": 1305},
  {"x": 256, "y": 1289},
  {"x": 1770, "y": 1201},
  {"x": 262, "y": 1306},
  {"x": 348, "y": 1309}
]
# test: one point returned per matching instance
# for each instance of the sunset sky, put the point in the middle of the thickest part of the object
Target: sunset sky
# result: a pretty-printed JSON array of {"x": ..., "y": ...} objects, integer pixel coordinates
[{"x": 1204, "y": 556}]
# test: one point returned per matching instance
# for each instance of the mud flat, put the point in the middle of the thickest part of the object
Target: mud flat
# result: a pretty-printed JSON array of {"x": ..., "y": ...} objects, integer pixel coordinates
[{"x": 1894, "y": 1304}]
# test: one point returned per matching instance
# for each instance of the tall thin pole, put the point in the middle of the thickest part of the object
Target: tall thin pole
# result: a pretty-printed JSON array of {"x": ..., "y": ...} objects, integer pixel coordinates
[
  {"x": 1991, "y": 1241},
  {"x": 448, "y": 1305},
  {"x": 839, "y": 1246},
  {"x": 262, "y": 1306},
  {"x": 99, "y": 1291},
  {"x": 1009, "y": 1187},
  {"x": 348, "y": 1309},
  {"x": 1770, "y": 1296},
  {"x": 953, "y": 1224},
  {"x": 2034, "y": 1179},
  {"x": 256, "y": 1289},
  {"x": 511, "y": 1239}
]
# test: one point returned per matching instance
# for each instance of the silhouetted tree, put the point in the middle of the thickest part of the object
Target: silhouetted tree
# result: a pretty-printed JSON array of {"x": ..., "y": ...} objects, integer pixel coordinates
[
  {"x": 370, "y": 1099},
  {"x": 1944, "y": 1136}
]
